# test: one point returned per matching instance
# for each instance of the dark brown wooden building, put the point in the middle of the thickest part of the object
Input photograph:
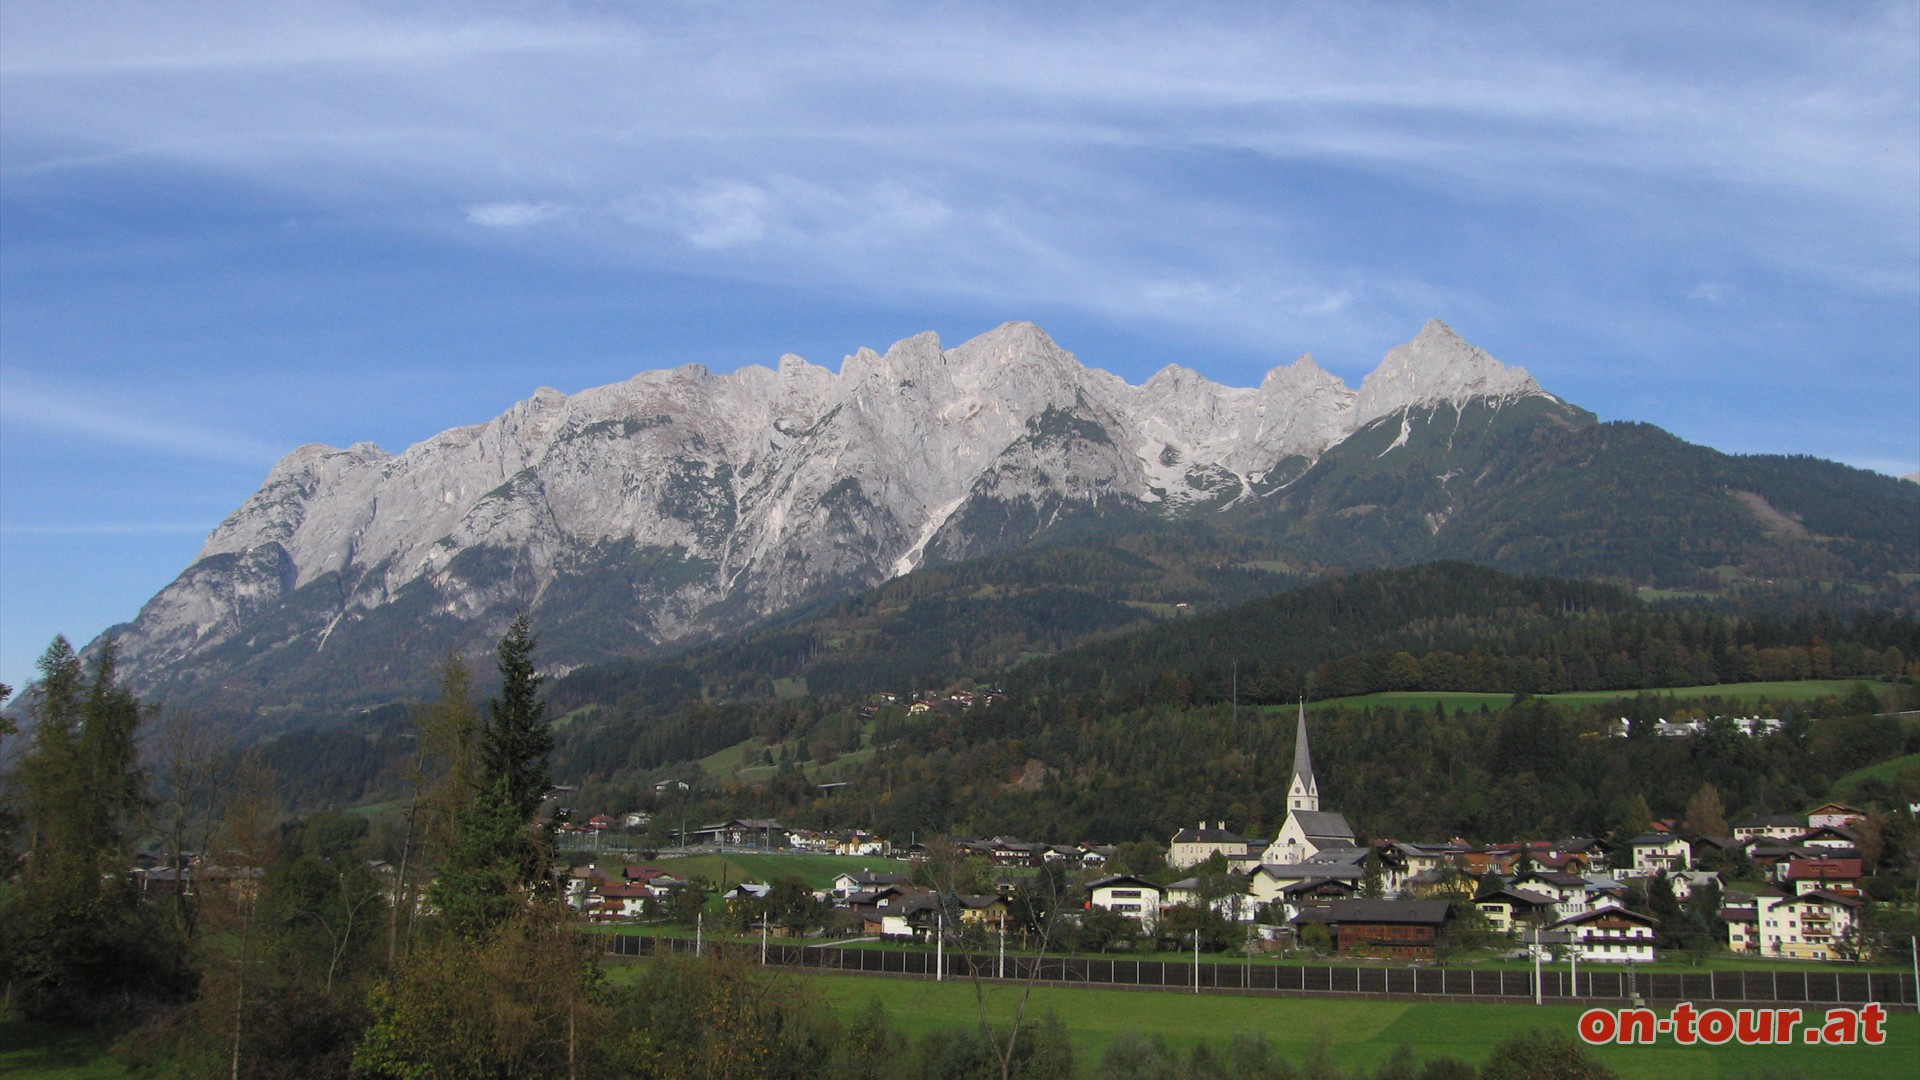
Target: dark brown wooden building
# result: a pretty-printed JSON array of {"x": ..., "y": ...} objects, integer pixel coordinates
[{"x": 1402, "y": 929}]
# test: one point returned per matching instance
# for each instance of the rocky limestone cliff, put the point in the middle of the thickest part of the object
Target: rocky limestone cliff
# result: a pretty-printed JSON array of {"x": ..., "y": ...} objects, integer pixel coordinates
[{"x": 680, "y": 503}]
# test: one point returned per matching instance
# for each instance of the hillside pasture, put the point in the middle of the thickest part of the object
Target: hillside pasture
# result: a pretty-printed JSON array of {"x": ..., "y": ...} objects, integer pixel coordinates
[{"x": 1752, "y": 695}]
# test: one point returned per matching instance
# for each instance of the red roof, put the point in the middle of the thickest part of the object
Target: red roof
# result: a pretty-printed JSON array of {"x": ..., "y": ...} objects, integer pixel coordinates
[{"x": 1823, "y": 870}]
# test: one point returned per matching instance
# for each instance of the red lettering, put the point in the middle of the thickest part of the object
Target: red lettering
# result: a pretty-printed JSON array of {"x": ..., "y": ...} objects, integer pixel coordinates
[
  {"x": 1871, "y": 1017},
  {"x": 1637, "y": 1026},
  {"x": 1784, "y": 1021},
  {"x": 1754, "y": 1028},
  {"x": 1597, "y": 1026},
  {"x": 1716, "y": 1026},
  {"x": 1683, "y": 1023},
  {"x": 1843, "y": 1026}
]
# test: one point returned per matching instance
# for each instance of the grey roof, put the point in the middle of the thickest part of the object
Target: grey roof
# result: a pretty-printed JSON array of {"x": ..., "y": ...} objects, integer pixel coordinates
[
  {"x": 1301, "y": 887},
  {"x": 1324, "y": 824},
  {"x": 1652, "y": 838},
  {"x": 1340, "y": 855},
  {"x": 1308, "y": 871},
  {"x": 1605, "y": 912},
  {"x": 1523, "y": 896},
  {"x": 1417, "y": 912},
  {"x": 1302, "y": 760},
  {"x": 1762, "y": 821},
  {"x": 1204, "y": 835},
  {"x": 1116, "y": 879}
]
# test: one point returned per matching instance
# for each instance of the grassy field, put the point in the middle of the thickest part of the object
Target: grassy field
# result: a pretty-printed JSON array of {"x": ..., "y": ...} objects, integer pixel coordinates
[
  {"x": 51, "y": 1053},
  {"x": 1749, "y": 693},
  {"x": 1360, "y": 1032},
  {"x": 1885, "y": 771}
]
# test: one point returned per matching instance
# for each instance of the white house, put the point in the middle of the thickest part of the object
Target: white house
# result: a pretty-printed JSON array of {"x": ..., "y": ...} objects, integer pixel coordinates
[
  {"x": 1191, "y": 847},
  {"x": 1834, "y": 815},
  {"x": 1811, "y": 926},
  {"x": 1659, "y": 852},
  {"x": 1136, "y": 898},
  {"x": 1611, "y": 935},
  {"x": 1769, "y": 827}
]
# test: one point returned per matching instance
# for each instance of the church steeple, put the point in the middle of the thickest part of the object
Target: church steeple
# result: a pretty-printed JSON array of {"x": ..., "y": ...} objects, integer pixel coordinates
[{"x": 1303, "y": 793}]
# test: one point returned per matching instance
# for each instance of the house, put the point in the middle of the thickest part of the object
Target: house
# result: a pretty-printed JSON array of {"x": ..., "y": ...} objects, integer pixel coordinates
[
  {"x": 1743, "y": 926},
  {"x": 1504, "y": 909},
  {"x": 1402, "y": 929},
  {"x": 1191, "y": 847},
  {"x": 1097, "y": 854},
  {"x": 985, "y": 910},
  {"x": 760, "y": 832},
  {"x": 1769, "y": 826},
  {"x": 1611, "y": 934},
  {"x": 912, "y": 916},
  {"x": 1834, "y": 815},
  {"x": 1235, "y": 905},
  {"x": 1840, "y": 876},
  {"x": 635, "y": 819},
  {"x": 1808, "y": 926},
  {"x": 1008, "y": 851},
  {"x": 1687, "y": 882},
  {"x": 866, "y": 881},
  {"x": 1268, "y": 882},
  {"x": 1571, "y": 893},
  {"x": 1657, "y": 853},
  {"x": 1836, "y": 838},
  {"x": 622, "y": 901},
  {"x": 1724, "y": 847},
  {"x": 1765, "y": 854},
  {"x": 1400, "y": 862},
  {"x": 1136, "y": 898},
  {"x": 861, "y": 843},
  {"x": 1308, "y": 829}
]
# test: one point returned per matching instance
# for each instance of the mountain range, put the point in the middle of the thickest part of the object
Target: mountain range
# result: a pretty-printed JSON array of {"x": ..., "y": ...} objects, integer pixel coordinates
[{"x": 680, "y": 506}]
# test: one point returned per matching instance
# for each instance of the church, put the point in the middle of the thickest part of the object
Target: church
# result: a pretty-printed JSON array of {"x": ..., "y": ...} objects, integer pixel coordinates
[{"x": 1309, "y": 830}]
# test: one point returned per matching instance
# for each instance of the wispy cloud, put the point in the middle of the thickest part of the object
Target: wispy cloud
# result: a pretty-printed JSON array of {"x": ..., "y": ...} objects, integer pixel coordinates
[
  {"x": 30, "y": 404},
  {"x": 513, "y": 215}
]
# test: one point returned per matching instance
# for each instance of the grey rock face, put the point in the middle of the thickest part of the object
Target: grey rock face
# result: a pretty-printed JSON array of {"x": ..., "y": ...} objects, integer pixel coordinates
[{"x": 679, "y": 503}]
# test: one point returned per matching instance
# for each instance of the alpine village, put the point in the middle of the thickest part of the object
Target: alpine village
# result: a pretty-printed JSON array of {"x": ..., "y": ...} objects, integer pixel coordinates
[{"x": 969, "y": 712}]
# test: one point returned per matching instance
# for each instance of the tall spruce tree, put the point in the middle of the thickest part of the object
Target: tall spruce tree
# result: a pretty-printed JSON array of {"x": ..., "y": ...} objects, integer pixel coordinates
[
  {"x": 517, "y": 740},
  {"x": 493, "y": 859},
  {"x": 75, "y": 941}
]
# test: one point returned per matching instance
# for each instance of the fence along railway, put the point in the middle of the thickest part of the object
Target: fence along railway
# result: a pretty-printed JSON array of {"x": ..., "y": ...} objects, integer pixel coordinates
[{"x": 1787, "y": 986}]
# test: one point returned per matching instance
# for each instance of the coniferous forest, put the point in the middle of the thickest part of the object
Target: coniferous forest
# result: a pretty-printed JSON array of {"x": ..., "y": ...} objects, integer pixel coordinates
[{"x": 371, "y": 900}]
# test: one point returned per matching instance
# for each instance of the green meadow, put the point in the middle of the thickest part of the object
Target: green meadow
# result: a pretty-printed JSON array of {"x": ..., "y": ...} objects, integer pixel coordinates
[
  {"x": 1755, "y": 694},
  {"x": 1359, "y": 1033}
]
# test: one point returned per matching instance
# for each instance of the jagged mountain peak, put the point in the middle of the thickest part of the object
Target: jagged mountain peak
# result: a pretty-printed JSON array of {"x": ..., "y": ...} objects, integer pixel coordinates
[
  {"x": 1437, "y": 367},
  {"x": 712, "y": 501}
]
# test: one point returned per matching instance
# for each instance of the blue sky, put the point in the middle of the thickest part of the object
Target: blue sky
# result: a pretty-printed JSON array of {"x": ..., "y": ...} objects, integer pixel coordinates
[{"x": 230, "y": 229}]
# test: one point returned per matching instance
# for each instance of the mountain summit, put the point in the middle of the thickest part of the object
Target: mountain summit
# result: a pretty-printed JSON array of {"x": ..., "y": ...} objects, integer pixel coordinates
[{"x": 680, "y": 504}]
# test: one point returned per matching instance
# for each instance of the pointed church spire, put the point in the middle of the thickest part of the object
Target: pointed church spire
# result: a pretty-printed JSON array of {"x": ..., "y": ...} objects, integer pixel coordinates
[{"x": 1303, "y": 793}]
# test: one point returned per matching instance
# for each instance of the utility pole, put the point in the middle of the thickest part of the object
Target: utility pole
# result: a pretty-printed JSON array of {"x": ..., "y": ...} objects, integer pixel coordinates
[
  {"x": 1536, "y": 963},
  {"x": 1196, "y": 960},
  {"x": 763, "y": 939},
  {"x": 940, "y": 942},
  {"x": 1000, "y": 972},
  {"x": 699, "y": 924}
]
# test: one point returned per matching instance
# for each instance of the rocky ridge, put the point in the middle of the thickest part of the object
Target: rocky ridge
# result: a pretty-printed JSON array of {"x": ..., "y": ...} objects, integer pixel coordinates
[{"x": 681, "y": 503}]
